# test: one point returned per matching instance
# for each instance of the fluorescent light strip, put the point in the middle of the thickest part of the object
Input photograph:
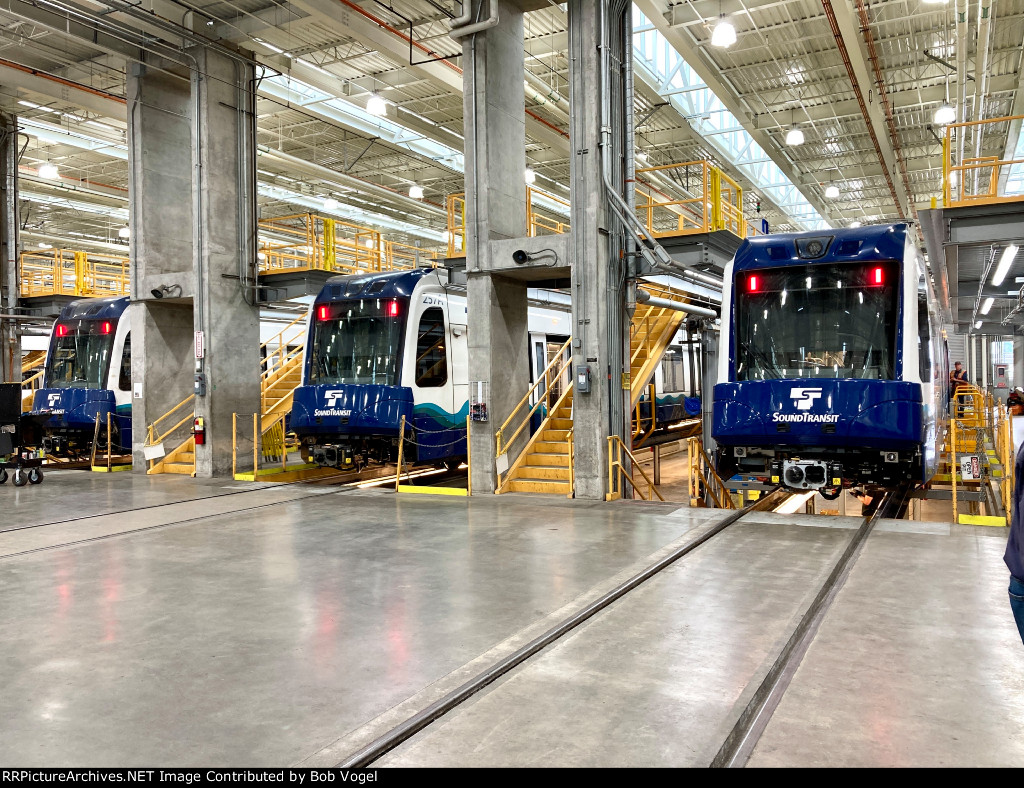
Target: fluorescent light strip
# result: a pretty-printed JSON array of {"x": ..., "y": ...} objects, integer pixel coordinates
[
  {"x": 1009, "y": 253},
  {"x": 987, "y": 305}
]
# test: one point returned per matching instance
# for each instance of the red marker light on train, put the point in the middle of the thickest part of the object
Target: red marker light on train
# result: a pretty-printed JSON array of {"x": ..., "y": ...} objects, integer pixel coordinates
[
  {"x": 105, "y": 328},
  {"x": 323, "y": 312},
  {"x": 752, "y": 284},
  {"x": 877, "y": 277},
  {"x": 62, "y": 330},
  {"x": 393, "y": 309}
]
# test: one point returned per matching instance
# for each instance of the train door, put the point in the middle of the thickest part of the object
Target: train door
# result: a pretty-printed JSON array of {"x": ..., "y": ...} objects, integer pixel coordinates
[
  {"x": 434, "y": 414},
  {"x": 543, "y": 351}
]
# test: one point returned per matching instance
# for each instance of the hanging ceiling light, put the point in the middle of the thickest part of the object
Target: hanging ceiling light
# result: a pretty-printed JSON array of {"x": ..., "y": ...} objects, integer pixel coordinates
[
  {"x": 944, "y": 114},
  {"x": 724, "y": 34},
  {"x": 832, "y": 191},
  {"x": 45, "y": 245},
  {"x": 48, "y": 171},
  {"x": 794, "y": 136},
  {"x": 124, "y": 232},
  {"x": 416, "y": 192},
  {"x": 530, "y": 175},
  {"x": 978, "y": 324},
  {"x": 375, "y": 105},
  {"x": 987, "y": 305},
  {"x": 330, "y": 204},
  {"x": 854, "y": 224}
]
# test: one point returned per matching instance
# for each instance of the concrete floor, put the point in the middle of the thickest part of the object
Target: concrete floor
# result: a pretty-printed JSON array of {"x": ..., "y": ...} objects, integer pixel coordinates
[{"x": 167, "y": 621}]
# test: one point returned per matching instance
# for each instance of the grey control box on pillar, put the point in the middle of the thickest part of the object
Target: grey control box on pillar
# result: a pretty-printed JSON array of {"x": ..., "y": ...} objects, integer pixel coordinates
[{"x": 583, "y": 379}]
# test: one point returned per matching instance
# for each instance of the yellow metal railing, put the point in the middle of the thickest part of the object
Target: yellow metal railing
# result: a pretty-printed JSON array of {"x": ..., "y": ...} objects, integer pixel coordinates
[
  {"x": 308, "y": 242},
  {"x": 455, "y": 207},
  {"x": 73, "y": 273},
  {"x": 975, "y": 180},
  {"x": 704, "y": 479},
  {"x": 542, "y": 219},
  {"x": 158, "y": 432},
  {"x": 572, "y": 466},
  {"x": 619, "y": 475},
  {"x": 541, "y": 393},
  {"x": 712, "y": 200},
  {"x": 544, "y": 216}
]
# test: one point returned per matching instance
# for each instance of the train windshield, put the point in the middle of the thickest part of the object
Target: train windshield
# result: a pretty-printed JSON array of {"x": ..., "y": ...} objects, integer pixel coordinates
[
  {"x": 80, "y": 354},
  {"x": 357, "y": 341},
  {"x": 815, "y": 321}
]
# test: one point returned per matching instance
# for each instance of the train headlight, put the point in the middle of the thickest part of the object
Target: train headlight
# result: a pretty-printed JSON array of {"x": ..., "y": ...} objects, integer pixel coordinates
[{"x": 794, "y": 475}]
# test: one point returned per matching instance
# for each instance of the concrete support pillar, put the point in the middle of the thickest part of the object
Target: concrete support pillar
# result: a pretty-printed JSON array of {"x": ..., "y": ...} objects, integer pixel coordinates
[
  {"x": 224, "y": 251},
  {"x": 10, "y": 339},
  {"x": 599, "y": 318},
  {"x": 495, "y": 132},
  {"x": 160, "y": 216},
  {"x": 1018, "y": 361},
  {"x": 191, "y": 155}
]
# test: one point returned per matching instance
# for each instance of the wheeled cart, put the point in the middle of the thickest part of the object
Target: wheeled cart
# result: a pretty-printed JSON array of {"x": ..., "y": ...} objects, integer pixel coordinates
[{"x": 19, "y": 438}]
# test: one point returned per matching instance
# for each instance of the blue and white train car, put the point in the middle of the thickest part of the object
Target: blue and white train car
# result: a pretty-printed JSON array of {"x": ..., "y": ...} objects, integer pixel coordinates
[
  {"x": 386, "y": 345},
  {"x": 832, "y": 365},
  {"x": 88, "y": 373}
]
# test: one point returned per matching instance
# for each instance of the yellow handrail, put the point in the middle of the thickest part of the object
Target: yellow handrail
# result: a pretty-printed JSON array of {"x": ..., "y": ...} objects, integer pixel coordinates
[
  {"x": 73, "y": 273},
  {"x": 153, "y": 438},
  {"x": 715, "y": 201},
  {"x": 572, "y": 469},
  {"x": 616, "y": 449},
  {"x": 544, "y": 377},
  {"x": 703, "y": 477},
  {"x": 538, "y": 223},
  {"x": 975, "y": 180}
]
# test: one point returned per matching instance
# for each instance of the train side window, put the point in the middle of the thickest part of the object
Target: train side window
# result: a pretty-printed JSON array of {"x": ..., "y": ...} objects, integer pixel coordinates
[
  {"x": 924, "y": 334},
  {"x": 124, "y": 377},
  {"x": 431, "y": 356}
]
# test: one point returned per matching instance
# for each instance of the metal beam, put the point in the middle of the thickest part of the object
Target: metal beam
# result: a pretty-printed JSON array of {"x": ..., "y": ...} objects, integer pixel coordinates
[{"x": 707, "y": 70}]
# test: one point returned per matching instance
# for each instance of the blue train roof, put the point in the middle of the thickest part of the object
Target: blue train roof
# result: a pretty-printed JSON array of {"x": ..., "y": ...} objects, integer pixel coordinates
[
  {"x": 110, "y": 308},
  {"x": 393, "y": 284},
  {"x": 850, "y": 244}
]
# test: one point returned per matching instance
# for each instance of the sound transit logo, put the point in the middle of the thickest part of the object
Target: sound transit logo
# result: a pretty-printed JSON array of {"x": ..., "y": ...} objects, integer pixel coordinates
[{"x": 804, "y": 398}]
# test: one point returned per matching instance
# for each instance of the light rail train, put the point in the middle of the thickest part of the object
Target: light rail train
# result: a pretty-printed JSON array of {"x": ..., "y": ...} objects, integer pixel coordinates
[
  {"x": 382, "y": 346},
  {"x": 833, "y": 369}
]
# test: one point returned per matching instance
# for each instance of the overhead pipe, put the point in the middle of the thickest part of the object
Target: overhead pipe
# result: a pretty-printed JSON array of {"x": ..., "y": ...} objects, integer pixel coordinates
[
  {"x": 349, "y": 181},
  {"x": 461, "y": 27},
  {"x": 981, "y": 76},
  {"x": 890, "y": 120},
  {"x": 844, "y": 53},
  {"x": 962, "y": 43},
  {"x": 645, "y": 297},
  {"x": 545, "y": 94}
]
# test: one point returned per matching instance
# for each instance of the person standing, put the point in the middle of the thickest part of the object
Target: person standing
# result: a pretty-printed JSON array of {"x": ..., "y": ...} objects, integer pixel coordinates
[
  {"x": 1014, "y": 556},
  {"x": 957, "y": 379}
]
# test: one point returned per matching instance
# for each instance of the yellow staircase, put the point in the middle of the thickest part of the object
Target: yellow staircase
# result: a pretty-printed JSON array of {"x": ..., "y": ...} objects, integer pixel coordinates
[
  {"x": 650, "y": 333},
  {"x": 544, "y": 465},
  {"x": 31, "y": 376},
  {"x": 181, "y": 460}
]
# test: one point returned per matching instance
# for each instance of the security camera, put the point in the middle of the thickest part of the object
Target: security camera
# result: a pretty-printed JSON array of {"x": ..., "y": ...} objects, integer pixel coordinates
[
  {"x": 158, "y": 292},
  {"x": 520, "y": 257}
]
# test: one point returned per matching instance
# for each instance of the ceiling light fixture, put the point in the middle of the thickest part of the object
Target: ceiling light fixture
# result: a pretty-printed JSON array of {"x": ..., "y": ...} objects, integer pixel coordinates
[
  {"x": 48, "y": 171},
  {"x": 330, "y": 204},
  {"x": 987, "y": 305},
  {"x": 794, "y": 136},
  {"x": 1005, "y": 262},
  {"x": 832, "y": 191},
  {"x": 854, "y": 224},
  {"x": 416, "y": 192},
  {"x": 945, "y": 114},
  {"x": 124, "y": 232},
  {"x": 45, "y": 245},
  {"x": 724, "y": 34},
  {"x": 530, "y": 175},
  {"x": 375, "y": 105},
  {"x": 978, "y": 324}
]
